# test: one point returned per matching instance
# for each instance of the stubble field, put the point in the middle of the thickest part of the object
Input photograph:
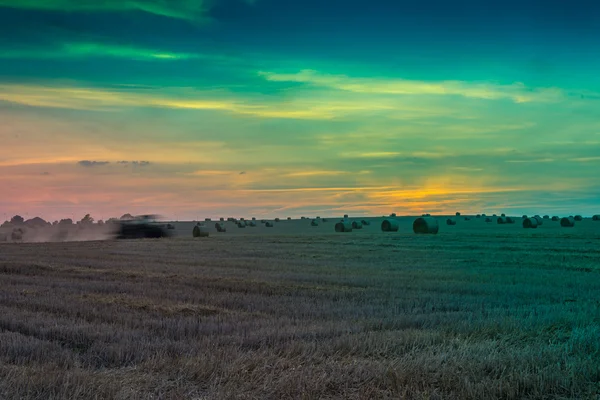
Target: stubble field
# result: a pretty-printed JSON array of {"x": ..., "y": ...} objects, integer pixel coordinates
[{"x": 479, "y": 311}]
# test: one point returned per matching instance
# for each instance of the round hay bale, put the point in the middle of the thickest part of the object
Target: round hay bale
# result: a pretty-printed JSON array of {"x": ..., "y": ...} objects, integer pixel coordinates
[
  {"x": 357, "y": 225},
  {"x": 596, "y": 217},
  {"x": 390, "y": 225},
  {"x": 365, "y": 222},
  {"x": 524, "y": 216},
  {"x": 252, "y": 224},
  {"x": 268, "y": 224},
  {"x": 200, "y": 231},
  {"x": 555, "y": 218},
  {"x": 501, "y": 220},
  {"x": 546, "y": 217},
  {"x": 207, "y": 220},
  {"x": 343, "y": 226},
  {"x": 503, "y": 215},
  {"x": 253, "y": 218},
  {"x": 540, "y": 220},
  {"x": 276, "y": 219},
  {"x": 567, "y": 222},
  {"x": 494, "y": 215},
  {"x": 221, "y": 219},
  {"x": 345, "y": 216},
  {"x": 17, "y": 235},
  {"x": 457, "y": 214},
  {"x": 241, "y": 224},
  {"x": 578, "y": 218},
  {"x": 488, "y": 219},
  {"x": 220, "y": 227},
  {"x": 510, "y": 220},
  {"x": 450, "y": 221},
  {"x": 426, "y": 225},
  {"x": 393, "y": 215},
  {"x": 289, "y": 218},
  {"x": 478, "y": 216},
  {"x": 483, "y": 215},
  {"x": 530, "y": 223},
  {"x": 314, "y": 222}
]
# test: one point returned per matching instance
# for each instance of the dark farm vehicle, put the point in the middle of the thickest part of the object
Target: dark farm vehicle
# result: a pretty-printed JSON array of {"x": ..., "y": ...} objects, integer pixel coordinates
[{"x": 142, "y": 226}]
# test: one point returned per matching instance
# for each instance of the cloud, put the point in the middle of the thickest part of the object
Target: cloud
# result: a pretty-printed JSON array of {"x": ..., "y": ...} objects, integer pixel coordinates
[
  {"x": 191, "y": 10},
  {"x": 517, "y": 92},
  {"x": 88, "y": 163},
  {"x": 76, "y": 50},
  {"x": 181, "y": 9},
  {"x": 135, "y": 163},
  {"x": 57, "y": 95}
]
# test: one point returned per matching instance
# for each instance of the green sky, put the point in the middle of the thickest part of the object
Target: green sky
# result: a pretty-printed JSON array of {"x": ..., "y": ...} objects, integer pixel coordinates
[{"x": 215, "y": 108}]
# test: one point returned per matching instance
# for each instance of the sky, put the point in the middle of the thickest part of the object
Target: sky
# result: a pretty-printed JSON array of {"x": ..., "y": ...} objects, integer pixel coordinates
[{"x": 207, "y": 108}]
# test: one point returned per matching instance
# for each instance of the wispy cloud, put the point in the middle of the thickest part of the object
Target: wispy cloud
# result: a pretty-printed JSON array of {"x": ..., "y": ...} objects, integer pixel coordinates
[
  {"x": 88, "y": 163},
  {"x": 181, "y": 9},
  {"x": 55, "y": 95},
  {"x": 75, "y": 50},
  {"x": 516, "y": 92}
]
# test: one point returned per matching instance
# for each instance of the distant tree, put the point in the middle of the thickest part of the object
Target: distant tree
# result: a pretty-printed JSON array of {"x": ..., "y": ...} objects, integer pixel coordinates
[
  {"x": 127, "y": 216},
  {"x": 100, "y": 222},
  {"x": 17, "y": 220},
  {"x": 87, "y": 220},
  {"x": 66, "y": 221}
]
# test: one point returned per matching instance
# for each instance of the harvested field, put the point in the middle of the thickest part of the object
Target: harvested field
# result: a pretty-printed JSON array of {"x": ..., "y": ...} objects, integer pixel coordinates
[{"x": 479, "y": 311}]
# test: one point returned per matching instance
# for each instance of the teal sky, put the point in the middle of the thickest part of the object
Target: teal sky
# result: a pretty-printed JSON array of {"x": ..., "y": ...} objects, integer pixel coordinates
[{"x": 267, "y": 108}]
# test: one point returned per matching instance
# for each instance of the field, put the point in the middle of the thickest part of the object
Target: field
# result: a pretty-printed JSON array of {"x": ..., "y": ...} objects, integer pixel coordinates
[{"x": 479, "y": 311}]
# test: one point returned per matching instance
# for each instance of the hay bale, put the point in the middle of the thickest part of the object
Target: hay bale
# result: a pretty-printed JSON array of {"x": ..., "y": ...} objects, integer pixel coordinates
[
  {"x": 501, "y": 220},
  {"x": 222, "y": 219},
  {"x": 555, "y": 218},
  {"x": 345, "y": 216},
  {"x": 578, "y": 218},
  {"x": 478, "y": 216},
  {"x": 426, "y": 225},
  {"x": 524, "y": 216},
  {"x": 314, "y": 222},
  {"x": 289, "y": 218},
  {"x": 17, "y": 234},
  {"x": 530, "y": 223},
  {"x": 540, "y": 221},
  {"x": 241, "y": 224},
  {"x": 207, "y": 220},
  {"x": 503, "y": 215},
  {"x": 269, "y": 224},
  {"x": 357, "y": 225},
  {"x": 546, "y": 217},
  {"x": 483, "y": 215},
  {"x": 276, "y": 219},
  {"x": 596, "y": 217},
  {"x": 390, "y": 225},
  {"x": 457, "y": 214},
  {"x": 200, "y": 231},
  {"x": 450, "y": 221},
  {"x": 365, "y": 222},
  {"x": 488, "y": 219},
  {"x": 343, "y": 226},
  {"x": 510, "y": 220},
  {"x": 251, "y": 224},
  {"x": 220, "y": 227},
  {"x": 393, "y": 215},
  {"x": 567, "y": 222}
]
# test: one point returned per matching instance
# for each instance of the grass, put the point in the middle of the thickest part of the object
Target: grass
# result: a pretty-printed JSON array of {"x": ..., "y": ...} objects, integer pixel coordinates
[{"x": 331, "y": 316}]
